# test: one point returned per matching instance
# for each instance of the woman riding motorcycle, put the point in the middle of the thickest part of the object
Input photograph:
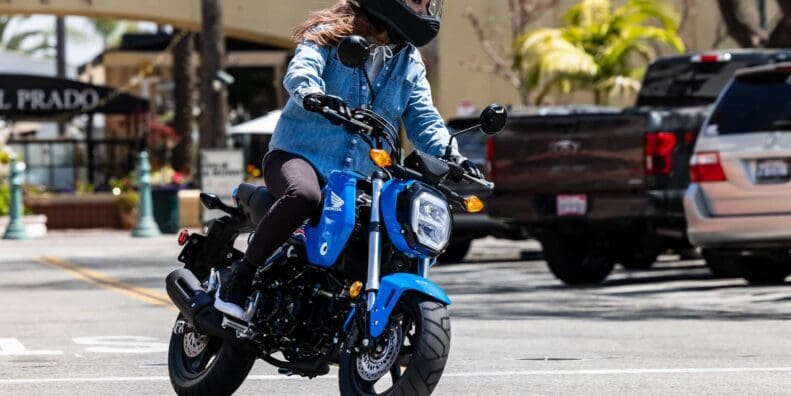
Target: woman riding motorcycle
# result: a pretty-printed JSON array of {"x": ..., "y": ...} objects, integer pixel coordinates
[{"x": 305, "y": 147}]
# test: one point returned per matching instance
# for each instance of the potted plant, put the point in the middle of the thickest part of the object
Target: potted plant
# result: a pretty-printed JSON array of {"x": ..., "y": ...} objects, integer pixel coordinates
[{"x": 126, "y": 200}]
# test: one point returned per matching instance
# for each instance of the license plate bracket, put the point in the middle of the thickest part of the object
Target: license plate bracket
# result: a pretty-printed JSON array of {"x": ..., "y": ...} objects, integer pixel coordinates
[{"x": 572, "y": 205}]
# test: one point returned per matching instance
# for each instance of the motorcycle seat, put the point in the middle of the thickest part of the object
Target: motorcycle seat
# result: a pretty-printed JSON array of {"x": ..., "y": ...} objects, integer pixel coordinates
[{"x": 255, "y": 201}]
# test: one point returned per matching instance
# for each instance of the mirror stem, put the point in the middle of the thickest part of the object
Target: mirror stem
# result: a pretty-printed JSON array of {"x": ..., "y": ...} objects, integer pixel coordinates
[{"x": 449, "y": 149}]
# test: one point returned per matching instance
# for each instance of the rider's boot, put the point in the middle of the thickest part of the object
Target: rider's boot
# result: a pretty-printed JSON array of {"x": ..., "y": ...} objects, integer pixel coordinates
[{"x": 236, "y": 282}]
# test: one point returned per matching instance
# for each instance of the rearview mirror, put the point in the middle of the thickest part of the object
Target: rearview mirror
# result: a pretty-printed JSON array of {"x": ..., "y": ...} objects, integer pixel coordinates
[
  {"x": 353, "y": 51},
  {"x": 210, "y": 201},
  {"x": 493, "y": 119}
]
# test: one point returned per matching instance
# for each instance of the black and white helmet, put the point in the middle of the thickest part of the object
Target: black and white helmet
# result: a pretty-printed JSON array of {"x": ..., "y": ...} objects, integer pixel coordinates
[{"x": 403, "y": 20}]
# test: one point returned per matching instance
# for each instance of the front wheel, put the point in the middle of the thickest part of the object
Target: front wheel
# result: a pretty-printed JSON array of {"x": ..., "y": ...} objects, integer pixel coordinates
[
  {"x": 408, "y": 358},
  {"x": 576, "y": 260},
  {"x": 204, "y": 365}
]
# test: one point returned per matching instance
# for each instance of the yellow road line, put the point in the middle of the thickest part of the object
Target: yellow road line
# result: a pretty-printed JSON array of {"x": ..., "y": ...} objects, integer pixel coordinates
[{"x": 90, "y": 276}]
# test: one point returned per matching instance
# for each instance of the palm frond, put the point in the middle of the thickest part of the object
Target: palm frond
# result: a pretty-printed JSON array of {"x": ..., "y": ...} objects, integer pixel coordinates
[
  {"x": 588, "y": 13},
  {"x": 637, "y": 12}
]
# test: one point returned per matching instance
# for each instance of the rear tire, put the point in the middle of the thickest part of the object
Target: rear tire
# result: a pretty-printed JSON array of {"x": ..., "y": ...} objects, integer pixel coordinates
[
  {"x": 218, "y": 368},
  {"x": 639, "y": 260},
  {"x": 455, "y": 252},
  {"x": 420, "y": 361},
  {"x": 577, "y": 262},
  {"x": 763, "y": 271}
]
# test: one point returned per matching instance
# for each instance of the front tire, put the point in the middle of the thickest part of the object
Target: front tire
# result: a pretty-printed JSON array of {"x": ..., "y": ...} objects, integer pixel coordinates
[
  {"x": 578, "y": 262},
  {"x": 203, "y": 365},
  {"x": 422, "y": 328}
]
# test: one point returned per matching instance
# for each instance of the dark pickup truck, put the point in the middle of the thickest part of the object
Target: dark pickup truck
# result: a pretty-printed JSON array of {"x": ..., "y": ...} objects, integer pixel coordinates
[{"x": 599, "y": 186}]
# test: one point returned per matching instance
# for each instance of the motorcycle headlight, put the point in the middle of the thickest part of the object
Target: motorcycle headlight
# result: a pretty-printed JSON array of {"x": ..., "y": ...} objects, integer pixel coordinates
[{"x": 431, "y": 221}]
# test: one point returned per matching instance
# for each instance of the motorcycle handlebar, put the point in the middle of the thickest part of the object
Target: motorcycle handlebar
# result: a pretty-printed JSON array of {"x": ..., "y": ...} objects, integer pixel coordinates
[{"x": 314, "y": 105}]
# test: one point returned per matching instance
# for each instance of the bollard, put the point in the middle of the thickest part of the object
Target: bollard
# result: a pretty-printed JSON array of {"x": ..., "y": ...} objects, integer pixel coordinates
[
  {"x": 146, "y": 226},
  {"x": 16, "y": 228}
]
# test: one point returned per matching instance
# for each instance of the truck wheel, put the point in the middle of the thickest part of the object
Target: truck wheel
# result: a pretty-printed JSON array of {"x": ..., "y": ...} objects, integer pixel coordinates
[
  {"x": 455, "y": 252},
  {"x": 576, "y": 262},
  {"x": 721, "y": 266},
  {"x": 763, "y": 271},
  {"x": 639, "y": 260}
]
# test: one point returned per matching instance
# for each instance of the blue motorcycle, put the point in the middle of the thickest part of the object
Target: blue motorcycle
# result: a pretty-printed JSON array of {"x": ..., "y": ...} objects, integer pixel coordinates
[{"x": 349, "y": 288}]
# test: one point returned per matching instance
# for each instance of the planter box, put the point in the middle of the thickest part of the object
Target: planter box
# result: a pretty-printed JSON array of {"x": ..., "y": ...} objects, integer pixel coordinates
[
  {"x": 77, "y": 211},
  {"x": 35, "y": 225}
]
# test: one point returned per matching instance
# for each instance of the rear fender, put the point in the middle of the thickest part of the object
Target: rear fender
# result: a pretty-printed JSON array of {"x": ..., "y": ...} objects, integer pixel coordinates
[{"x": 391, "y": 288}]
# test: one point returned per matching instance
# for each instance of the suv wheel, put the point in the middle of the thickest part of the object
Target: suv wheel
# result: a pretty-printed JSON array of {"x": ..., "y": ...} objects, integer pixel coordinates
[
  {"x": 575, "y": 260},
  {"x": 637, "y": 260},
  {"x": 763, "y": 271}
]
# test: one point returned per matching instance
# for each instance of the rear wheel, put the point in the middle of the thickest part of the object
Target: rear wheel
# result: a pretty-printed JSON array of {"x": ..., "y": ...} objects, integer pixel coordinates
[
  {"x": 409, "y": 357},
  {"x": 763, "y": 271},
  {"x": 576, "y": 260},
  {"x": 637, "y": 260},
  {"x": 203, "y": 365},
  {"x": 455, "y": 252}
]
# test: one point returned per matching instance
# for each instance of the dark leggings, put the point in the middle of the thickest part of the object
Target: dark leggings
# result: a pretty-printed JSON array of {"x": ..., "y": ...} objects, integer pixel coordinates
[{"x": 295, "y": 183}]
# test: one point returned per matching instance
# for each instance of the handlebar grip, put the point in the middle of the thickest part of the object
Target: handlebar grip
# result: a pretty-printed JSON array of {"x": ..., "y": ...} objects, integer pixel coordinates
[
  {"x": 483, "y": 182},
  {"x": 313, "y": 104}
]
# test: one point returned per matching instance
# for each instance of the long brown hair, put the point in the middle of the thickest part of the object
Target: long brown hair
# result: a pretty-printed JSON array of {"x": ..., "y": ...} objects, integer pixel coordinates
[{"x": 339, "y": 21}]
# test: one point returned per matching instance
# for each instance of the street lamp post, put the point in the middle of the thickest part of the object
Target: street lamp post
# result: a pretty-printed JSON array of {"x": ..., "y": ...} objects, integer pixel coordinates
[
  {"x": 146, "y": 226},
  {"x": 16, "y": 227}
]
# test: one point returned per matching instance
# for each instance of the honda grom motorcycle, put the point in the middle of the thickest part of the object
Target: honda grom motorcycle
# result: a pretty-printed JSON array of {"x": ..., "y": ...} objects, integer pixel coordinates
[{"x": 349, "y": 288}]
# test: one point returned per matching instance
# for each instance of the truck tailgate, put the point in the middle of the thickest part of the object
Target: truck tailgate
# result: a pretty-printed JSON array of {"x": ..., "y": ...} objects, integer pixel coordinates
[{"x": 542, "y": 157}]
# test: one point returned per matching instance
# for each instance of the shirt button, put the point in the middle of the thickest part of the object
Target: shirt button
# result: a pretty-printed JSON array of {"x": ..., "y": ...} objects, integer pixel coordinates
[
  {"x": 365, "y": 88},
  {"x": 348, "y": 160},
  {"x": 354, "y": 140}
]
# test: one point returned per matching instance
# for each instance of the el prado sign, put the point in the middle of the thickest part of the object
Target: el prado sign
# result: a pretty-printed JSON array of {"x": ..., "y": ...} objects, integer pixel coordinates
[
  {"x": 49, "y": 100},
  {"x": 27, "y": 96}
]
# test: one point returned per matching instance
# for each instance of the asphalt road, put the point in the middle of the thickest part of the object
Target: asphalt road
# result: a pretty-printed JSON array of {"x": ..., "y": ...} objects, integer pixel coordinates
[{"x": 85, "y": 313}]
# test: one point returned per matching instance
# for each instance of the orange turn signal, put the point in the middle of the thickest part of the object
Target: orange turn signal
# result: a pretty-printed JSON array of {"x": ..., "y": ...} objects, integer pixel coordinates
[
  {"x": 355, "y": 289},
  {"x": 473, "y": 204},
  {"x": 381, "y": 158}
]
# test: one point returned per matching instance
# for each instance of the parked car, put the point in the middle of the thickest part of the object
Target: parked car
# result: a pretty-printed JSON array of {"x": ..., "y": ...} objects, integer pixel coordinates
[
  {"x": 600, "y": 186},
  {"x": 470, "y": 226},
  {"x": 738, "y": 206}
]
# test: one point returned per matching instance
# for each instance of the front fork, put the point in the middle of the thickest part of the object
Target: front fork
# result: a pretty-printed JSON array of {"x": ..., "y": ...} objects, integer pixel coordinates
[{"x": 375, "y": 249}]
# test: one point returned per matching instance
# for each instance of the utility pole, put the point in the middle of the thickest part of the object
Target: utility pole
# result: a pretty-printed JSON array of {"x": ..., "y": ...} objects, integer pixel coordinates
[
  {"x": 60, "y": 47},
  {"x": 213, "y": 92},
  {"x": 182, "y": 98}
]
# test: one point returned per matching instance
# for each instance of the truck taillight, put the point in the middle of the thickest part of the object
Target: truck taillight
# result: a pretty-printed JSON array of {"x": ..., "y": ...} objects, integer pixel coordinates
[
  {"x": 490, "y": 149},
  {"x": 706, "y": 167},
  {"x": 659, "y": 148}
]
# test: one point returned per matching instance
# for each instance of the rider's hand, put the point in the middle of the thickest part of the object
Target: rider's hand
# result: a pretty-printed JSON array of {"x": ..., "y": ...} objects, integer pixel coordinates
[
  {"x": 316, "y": 102},
  {"x": 471, "y": 169}
]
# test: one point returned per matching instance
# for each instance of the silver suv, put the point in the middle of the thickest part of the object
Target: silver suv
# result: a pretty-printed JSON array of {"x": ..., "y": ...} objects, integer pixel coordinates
[{"x": 738, "y": 206}]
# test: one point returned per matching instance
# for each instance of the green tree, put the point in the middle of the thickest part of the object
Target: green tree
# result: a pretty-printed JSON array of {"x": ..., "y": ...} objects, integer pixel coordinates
[
  {"x": 602, "y": 49},
  {"x": 11, "y": 40}
]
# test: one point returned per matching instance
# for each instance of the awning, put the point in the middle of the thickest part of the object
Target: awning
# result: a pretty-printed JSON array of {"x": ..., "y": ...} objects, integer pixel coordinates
[
  {"x": 260, "y": 126},
  {"x": 36, "y": 97}
]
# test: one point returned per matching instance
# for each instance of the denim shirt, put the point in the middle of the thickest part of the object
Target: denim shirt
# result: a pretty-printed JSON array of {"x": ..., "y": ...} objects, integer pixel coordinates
[{"x": 402, "y": 93}]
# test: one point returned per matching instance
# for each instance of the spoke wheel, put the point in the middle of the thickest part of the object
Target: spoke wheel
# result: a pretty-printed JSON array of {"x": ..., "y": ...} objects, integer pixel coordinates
[{"x": 407, "y": 359}]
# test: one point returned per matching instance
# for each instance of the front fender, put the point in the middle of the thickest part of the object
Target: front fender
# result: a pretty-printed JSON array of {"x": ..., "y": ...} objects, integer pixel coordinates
[{"x": 390, "y": 290}]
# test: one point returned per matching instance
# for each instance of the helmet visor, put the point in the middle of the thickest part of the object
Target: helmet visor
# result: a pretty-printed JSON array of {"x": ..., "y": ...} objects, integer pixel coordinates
[{"x": 426, "y": 7}]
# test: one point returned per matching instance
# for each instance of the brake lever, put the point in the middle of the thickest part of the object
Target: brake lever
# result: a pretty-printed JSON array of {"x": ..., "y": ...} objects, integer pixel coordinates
[{"x": 458, "y": 172}]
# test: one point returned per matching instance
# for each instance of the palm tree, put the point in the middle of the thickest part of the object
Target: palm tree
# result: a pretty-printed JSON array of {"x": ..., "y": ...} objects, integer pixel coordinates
[
  {"x": 600, "y": 49},
  {"x": 11, "y": 40}
]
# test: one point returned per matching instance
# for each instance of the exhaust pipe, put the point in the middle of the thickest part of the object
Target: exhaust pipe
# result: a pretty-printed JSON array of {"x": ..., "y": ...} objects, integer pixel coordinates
[{"x": 197, "y": 306}]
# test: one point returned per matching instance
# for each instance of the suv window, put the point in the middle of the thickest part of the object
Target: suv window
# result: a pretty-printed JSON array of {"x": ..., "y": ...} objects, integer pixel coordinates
[
  {"x": 754, "y": 103},
  {"x": 681, "y": 83}
]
